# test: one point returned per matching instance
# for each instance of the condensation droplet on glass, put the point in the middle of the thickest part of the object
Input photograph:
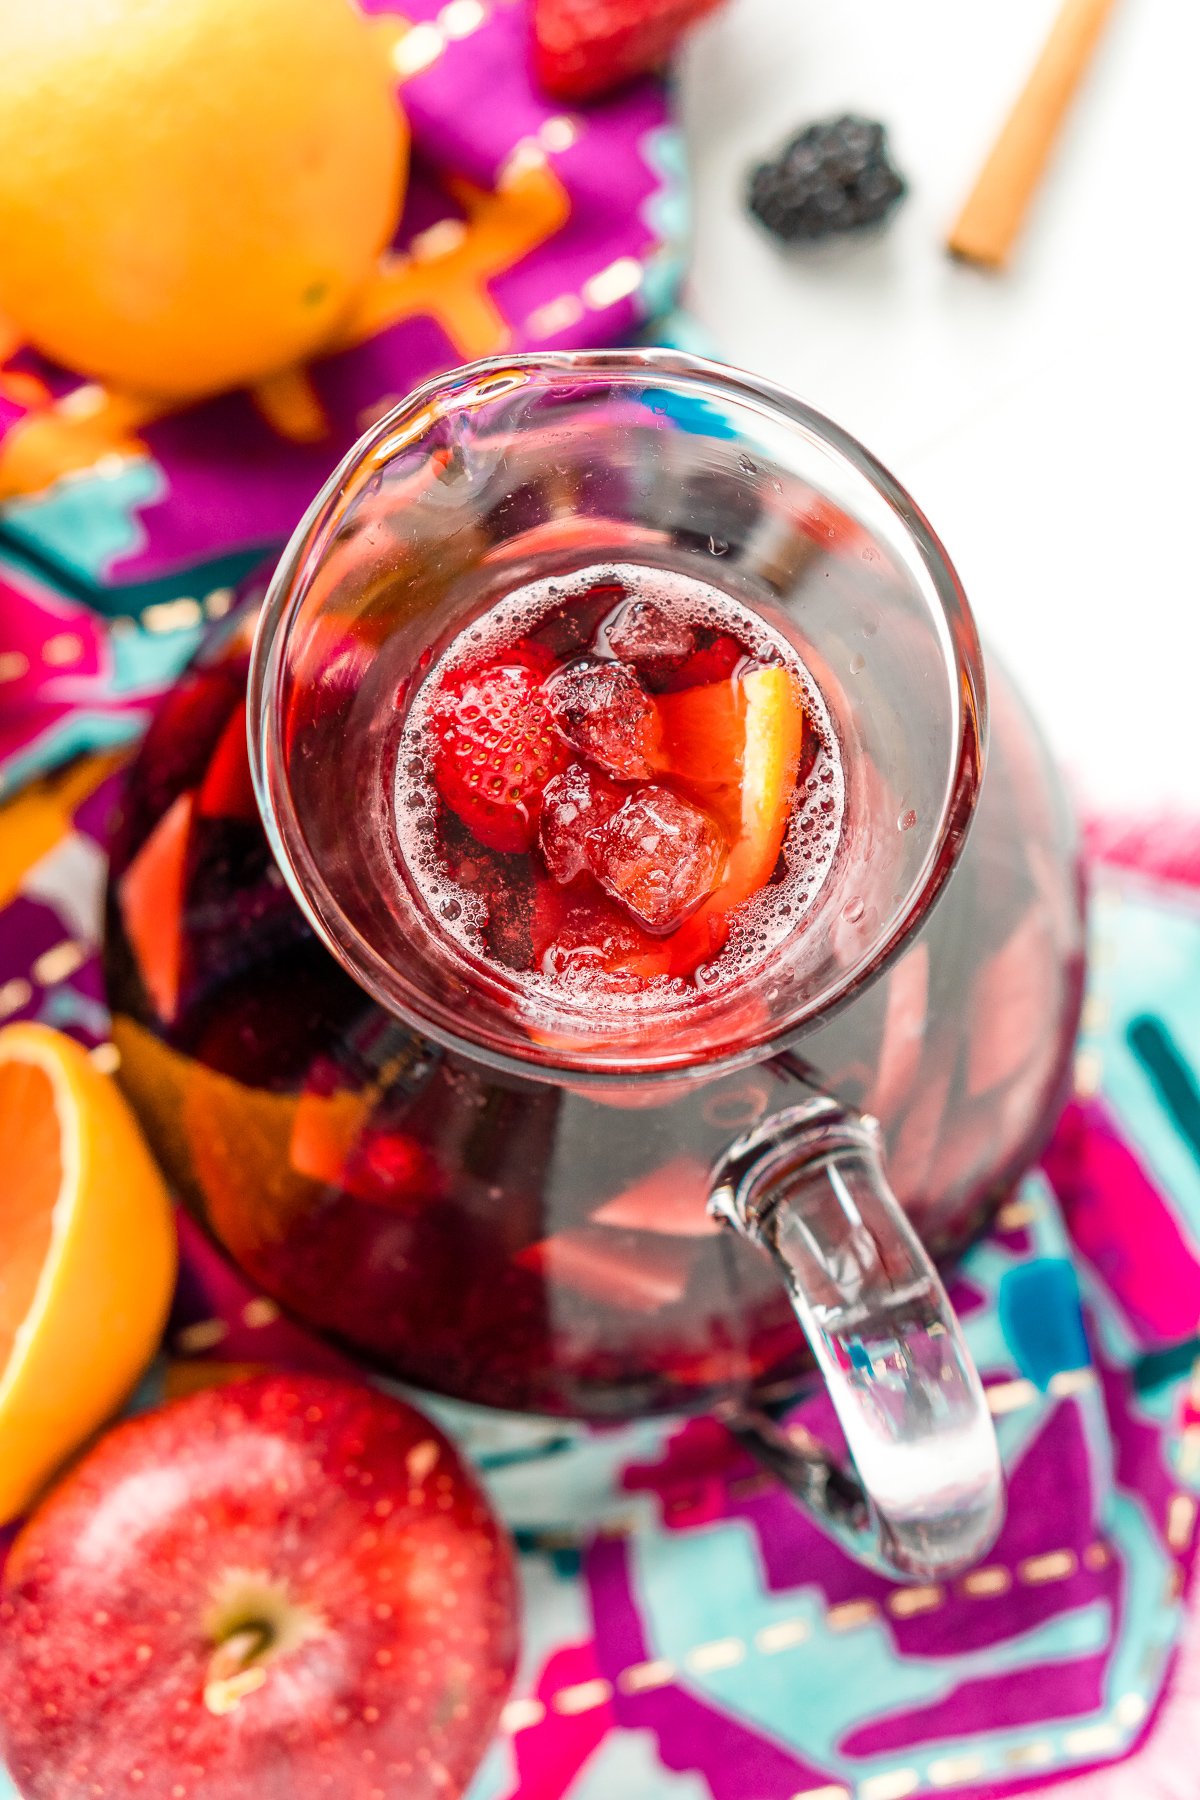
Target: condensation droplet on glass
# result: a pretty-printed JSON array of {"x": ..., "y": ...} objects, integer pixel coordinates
[
  {"x": 853, "y": 911},
  {"x": 747, "y": 466},
  {"x": 870, "y": 554},
  {"x": 778, "y": 486},
  {"x": 858, "y": 663},
  {"x": 906, "y": 821},
  {"x": 870, "y": 627},
  {"x": 717, "y": 546}
]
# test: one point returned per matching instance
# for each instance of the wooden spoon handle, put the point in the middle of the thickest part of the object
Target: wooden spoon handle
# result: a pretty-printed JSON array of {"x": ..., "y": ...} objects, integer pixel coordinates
[{"x": 988, "y": 224}]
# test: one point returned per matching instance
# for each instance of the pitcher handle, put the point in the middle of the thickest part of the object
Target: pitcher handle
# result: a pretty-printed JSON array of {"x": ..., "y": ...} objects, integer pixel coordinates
[{"x": 924, "y": 1495}]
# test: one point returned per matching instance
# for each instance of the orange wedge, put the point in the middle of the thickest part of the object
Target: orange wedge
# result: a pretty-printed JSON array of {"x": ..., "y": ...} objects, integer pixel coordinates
[
  {"x": 226, "y": 1146},
  {"x": 736, "y": 745},
  {"x": 770, "y": 763},
  {"x": 325, "y": 1130},
  {"x": 703, "y": 745},
  {"x": 87, "y": 1255}
]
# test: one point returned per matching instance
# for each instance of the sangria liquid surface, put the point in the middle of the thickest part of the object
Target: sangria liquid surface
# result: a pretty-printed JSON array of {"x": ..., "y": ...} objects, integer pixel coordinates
[
  {"x": 622, "y": 787},
  {"x": 545, "y": 1247}
]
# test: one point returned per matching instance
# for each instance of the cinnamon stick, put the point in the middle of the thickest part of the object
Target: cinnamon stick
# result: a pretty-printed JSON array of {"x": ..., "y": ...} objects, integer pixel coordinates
[{"x": 989, "y": 223}]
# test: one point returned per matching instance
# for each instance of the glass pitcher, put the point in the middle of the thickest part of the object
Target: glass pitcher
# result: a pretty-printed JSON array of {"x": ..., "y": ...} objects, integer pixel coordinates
[{"x": 585, "y": 1218}]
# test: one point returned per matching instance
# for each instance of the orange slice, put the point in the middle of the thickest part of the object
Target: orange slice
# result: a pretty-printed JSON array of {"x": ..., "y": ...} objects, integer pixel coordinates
[
  {"x": 737, "y": 746},
  {"x": 703, "y": 744},
  {"x": 325, "y": 1130},
  {"x": 87, "y": 1255},
  {"x": 225, "y": 1146},
  {"x": 770, "y": 763}
]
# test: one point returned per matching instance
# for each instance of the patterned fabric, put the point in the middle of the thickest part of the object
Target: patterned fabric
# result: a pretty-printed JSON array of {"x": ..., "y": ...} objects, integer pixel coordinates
[
  {"x": 123, "y": 524},
  {"x": 701, "y": 1640}
]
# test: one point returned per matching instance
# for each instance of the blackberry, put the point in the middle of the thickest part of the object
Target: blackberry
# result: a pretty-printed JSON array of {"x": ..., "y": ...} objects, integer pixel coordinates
[{"x": 835, "y": 176}]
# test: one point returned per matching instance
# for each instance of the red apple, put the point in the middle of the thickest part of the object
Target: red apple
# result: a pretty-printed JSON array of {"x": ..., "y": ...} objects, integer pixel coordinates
[{"x": 283, "y": 1589}]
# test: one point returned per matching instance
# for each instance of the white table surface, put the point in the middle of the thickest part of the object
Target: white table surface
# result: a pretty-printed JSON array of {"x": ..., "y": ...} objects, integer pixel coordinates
[{"x": 1044, "y": 418}]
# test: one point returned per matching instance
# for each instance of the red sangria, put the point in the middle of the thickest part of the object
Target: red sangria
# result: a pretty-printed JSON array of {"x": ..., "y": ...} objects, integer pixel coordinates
[
  {"x": 619, "y": 732},
  {"x": 617, "y": 783}
]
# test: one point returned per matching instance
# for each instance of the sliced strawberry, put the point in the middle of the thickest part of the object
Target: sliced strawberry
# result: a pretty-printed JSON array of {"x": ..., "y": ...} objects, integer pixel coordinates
[
  {"x": 585, "y": 47},
  {"x": 495, "y": 750},
  {"x": 391, "y": 1169}
]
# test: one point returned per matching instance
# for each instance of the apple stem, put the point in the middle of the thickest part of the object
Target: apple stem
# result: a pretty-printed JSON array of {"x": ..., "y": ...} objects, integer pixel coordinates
[{"x": 235, "y": 1670}]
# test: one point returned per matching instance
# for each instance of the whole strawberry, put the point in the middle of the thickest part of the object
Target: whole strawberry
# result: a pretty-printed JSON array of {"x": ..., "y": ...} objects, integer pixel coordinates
[
  {"x": 583, "y": 48},
  {"x": 496, "y": 748}
]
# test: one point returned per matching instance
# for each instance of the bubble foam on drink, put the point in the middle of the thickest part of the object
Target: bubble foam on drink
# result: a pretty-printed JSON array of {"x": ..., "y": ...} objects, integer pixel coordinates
[{"x": 758, "y": 928}]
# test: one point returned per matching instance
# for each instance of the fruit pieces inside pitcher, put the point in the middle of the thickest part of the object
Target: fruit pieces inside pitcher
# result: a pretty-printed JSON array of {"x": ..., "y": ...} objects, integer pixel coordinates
[
  {"x": 351, "y": 1168},
  {"x": 618, "y": 782}
]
